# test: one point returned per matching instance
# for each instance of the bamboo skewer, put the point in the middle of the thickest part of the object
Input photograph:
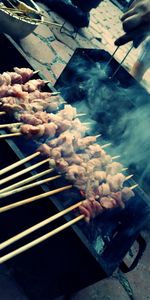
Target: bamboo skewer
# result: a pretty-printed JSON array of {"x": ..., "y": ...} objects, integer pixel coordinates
[
  {"x": 26, "y": 170},
  {"x": 10, "y": 125},
  {"x": 124, "y": 169},
  {"x": 128, "y": 177},
  {"x": 39, "y": 225},
  {"x": 23, "y": 15},
  {"x": 9, "y": 135},
  {"x": 133, "y": 187},
  {"x": 106, "y": 145},
  {"x": 98, "y": 135},
  {"x": 34, "y": 198},
  {"x": 55, "y": 93},
  {"x": 25, "y": 181},
  {"x": 115, "y": 157},
  {"x": 29, "y": 186},
  {"x": 44, "y": 237},
  {"x": 36, "y": 72},
  {"x": 19, "y": 163},
  {"x": 40, "y": 239},
  {"x": 2, "y": 113},
  {"x": 80, "y": 115},
  {"x": 41, "y": 196}
]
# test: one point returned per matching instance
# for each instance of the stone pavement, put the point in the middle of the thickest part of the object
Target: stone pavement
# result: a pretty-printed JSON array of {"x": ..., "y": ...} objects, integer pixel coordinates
[{"x": 49, "y": 51}]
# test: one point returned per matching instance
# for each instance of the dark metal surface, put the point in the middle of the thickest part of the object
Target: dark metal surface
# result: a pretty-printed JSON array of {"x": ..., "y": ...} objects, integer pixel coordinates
[{"x": 81, "y": 255}]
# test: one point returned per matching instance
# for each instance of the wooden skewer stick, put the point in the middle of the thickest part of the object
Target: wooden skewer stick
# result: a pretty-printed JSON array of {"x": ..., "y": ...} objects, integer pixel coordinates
[
  {"x": 87, "y": 123},
  {"x": 19, "y": 163},
  {"x": 106, "y": 145},
  {"x": 124, "y": 169},
  {"x": 133, "y": 186},
  {"x": 36, "y": 72},
  {"x": 10, "y": 135},
  {"x": 80, "y": 115},
  {"x": 2, "y": 113},
  {"x": 128, "y": 177},
  {"x": 10, "y": 125},
  {"x": 40, "y": 239},
  {"x": 38, "y": 21},
  {"x": 115, "y": 157},
  {"x": 46, "y": 81},
  {"x": 26, "y": 170},
  {"x": 29, "y": 186},
  {"x": 39, "y": 225},
  {"x": 25, "y": 181},
  {"x": 55, "y": 94},
  {"x": 34, "y": 198},
  {"x": 98, "y": 135}
]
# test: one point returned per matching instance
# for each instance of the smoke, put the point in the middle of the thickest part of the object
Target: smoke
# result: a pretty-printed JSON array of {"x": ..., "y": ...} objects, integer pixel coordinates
[{"x": 121, "y": 114}]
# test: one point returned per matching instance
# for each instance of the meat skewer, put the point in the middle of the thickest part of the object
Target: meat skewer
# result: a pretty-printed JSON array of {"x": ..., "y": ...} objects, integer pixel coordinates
[
  {"x": 19, "y": 163},
  {"x": 22, "y": 172},
  {"x": 10, "y": 135},
  {"x": 25, "y": 181},
  {"x": 10, "y": 125},
  {"x": 34, "y": 198},
  {"x": 20, "y": 123},
  {"x": 29, "y": 186},
  {"x": 44, "y": 237},
  {"x": 72, "y": 153},
  {"x": 2, "y": 113},
  {"x": 40, "y": 240},
  {"x": 39, "y": 225}
]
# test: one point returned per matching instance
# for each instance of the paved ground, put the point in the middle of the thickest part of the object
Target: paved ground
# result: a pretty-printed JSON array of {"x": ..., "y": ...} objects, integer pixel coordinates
[{"x": 49, "y": 51}]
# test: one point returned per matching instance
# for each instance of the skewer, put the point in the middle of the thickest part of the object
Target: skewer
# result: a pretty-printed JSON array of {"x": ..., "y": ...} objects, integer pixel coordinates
[
  {"x": 21, "y": 8},
  {"x": 38, "y": 21},
  {"x": 80, "y": 115},
  {"x": 87, "y": 123},
  {"x": 133, "y": 187},
  {"x": 26, "y": 170},
  {"x": 29, "y": 186},
  {"x": 115, "y": 157},
  {"x": 34, "y": 198},
  {"x": 36, "y": 72},
  {"x": 22, "y": 11},
  {"x": 40, "y": 239},
  {"x": 25, "y": 181},
  {"x": 128, "y": 177},
  {"x": 10, "y": 125},
  {"x": 98, "y": 135},
  {"x": 106, "y": 145},
  {"x": 39, "y": 225},
  {"x": 116, "y": 71},
  {"x": 111, "y": 58},
  {"x": 19, "y": 163},
  {"x": 55, "y": 93},
  {"x": 124, "y": 169},
  {"x": 9, "y": 135},
  {"x": 2, "y": 113}
]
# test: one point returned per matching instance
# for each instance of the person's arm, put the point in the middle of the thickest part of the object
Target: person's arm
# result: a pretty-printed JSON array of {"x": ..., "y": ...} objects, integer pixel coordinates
[{"x": 136, "y": 23}]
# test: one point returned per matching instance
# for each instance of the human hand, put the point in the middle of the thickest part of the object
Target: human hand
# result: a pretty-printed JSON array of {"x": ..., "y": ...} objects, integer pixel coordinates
[{"x": 136, "y": 23}]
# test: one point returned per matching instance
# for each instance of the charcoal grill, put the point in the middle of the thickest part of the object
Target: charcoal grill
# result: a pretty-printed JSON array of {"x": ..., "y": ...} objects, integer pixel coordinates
[{"x": 84, "y": 253}]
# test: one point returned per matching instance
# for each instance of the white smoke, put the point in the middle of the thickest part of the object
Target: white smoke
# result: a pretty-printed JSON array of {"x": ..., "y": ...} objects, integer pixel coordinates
[{"x": 121, "y": 114}]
